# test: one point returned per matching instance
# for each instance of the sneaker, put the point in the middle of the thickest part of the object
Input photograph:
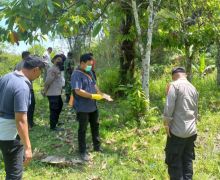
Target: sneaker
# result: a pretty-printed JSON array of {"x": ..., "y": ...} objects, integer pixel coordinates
[
  {"x": 84, "y": 156},
  {"x": 57, "y": 129}
]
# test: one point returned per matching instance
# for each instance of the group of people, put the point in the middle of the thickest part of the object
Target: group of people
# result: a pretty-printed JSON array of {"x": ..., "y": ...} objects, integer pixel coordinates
[{"x": 17, "y": 106}]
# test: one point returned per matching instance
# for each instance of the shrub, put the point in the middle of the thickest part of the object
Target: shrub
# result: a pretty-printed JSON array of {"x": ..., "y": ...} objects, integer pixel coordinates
[
  {"x": 8, "y": 62},
  {"x": 109, "y": 81}
]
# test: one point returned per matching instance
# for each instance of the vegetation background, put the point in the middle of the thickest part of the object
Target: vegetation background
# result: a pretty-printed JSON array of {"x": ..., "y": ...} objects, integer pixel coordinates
[{"x": 184, "y": 33}]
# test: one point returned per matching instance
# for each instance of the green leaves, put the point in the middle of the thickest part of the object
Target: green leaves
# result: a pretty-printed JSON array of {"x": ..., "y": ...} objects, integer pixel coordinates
[
  {"x": 50, "y": 6},
  {"x": 202, "y": 63}
]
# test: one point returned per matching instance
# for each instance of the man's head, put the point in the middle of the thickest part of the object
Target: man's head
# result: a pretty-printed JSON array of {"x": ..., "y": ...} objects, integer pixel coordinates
[
  {"x": 25, "y": 54},
  {"x": 178, "y": 72},
  {"x": 49, "y": 50},
  {"x": 33, "y": 66},
  {"x": 86, "y": 62},
  {"x": 56, "y": 58}
]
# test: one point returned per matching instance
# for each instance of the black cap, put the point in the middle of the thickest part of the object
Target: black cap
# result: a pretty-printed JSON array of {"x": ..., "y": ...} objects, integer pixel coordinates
[
  {"x": 178, "y": 70},
  {"x": 32, "y": 62}
]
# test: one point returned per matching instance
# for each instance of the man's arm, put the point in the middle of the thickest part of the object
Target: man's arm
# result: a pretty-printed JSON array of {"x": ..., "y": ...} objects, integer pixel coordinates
[
  {"x": 51, "y": 75},
  {"x": 169, "y": 108},
  {"x": 83, "y": 93},
  {"x": 22, "y": 127}
]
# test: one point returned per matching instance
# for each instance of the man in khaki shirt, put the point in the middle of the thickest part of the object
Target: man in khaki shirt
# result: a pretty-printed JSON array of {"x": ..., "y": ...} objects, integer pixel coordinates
[{"x": 180, "y": 116}]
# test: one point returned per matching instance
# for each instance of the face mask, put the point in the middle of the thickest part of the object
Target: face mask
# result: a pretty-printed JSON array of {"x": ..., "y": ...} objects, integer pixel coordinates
[{"x": 88, "y": 68}]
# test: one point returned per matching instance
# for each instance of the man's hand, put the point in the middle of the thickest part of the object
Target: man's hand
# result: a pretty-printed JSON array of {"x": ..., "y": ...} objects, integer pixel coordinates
[
  {"x": 27, "y": 156},
  {"x": 167, "y": 128}
]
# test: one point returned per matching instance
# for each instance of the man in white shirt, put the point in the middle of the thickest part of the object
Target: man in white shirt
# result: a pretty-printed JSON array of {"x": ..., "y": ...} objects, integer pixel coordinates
[{"x": 46, "y": 56}]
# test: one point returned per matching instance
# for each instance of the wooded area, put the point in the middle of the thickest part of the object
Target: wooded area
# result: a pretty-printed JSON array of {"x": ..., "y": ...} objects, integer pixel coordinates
[{"x": 136, "y": 44}]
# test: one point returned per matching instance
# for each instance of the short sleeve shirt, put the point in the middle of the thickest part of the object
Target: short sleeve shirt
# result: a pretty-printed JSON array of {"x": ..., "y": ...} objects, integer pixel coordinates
[
  {"x": 14, "y": 95},
  {"x": 84, "y": 81}
]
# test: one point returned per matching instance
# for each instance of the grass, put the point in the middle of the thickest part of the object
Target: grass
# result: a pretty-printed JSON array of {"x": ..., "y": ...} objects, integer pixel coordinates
[{"x": 129, "y": 153}]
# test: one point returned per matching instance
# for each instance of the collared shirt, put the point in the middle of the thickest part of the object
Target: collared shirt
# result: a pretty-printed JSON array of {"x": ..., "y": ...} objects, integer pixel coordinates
[
  {"x": 181, "y": 108},
  {"x": 14, "y": 97},
  {"x": 84, "y": 81}
]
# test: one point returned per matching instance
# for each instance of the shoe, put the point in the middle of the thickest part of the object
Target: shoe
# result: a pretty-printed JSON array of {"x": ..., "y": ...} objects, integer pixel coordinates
[
  {"x": 60, "y": 123},
  {"x": 84, "y": 156},
  {"x": 57, "y": 129}
]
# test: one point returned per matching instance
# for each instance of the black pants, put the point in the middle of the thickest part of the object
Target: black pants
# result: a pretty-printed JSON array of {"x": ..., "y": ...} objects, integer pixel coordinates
[
  {"x": 30, "y": 113},
  {"x": 179, "y": 156},
  {"x": 93, "y": 119},
  {"x": 55, "y": 104},
  {"x": 13, "y": 152}
]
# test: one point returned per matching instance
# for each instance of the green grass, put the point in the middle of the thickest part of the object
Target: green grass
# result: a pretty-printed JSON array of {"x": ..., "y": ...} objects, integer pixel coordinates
[{"x": 129, "y": 153}]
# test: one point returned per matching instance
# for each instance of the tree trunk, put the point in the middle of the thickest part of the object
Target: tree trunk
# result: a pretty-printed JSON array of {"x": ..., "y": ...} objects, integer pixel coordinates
[
  {"x": 188, "y": 62},
  {"x": 127, "y": 52},
  {"x": 75, "y": 45},
  {"x": 146, "y": 59},
  {"x": 218, "y": 63}
]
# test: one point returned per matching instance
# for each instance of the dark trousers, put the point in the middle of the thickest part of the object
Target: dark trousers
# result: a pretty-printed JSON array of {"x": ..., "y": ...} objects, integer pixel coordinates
[
  {"x": 179, "y": 157},
  {"x": 84, "y": 119},
  {"x": 56, "y": 105},
  {"x": 12, "y": 152},
  {"x": 30, "y": 113}
]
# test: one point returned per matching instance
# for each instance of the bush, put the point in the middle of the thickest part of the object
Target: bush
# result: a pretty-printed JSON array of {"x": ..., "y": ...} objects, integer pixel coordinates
[
  {"x": 8, "y": 62},
  {"x": 109, "y": 81},
  {"x": 136, "y": 105}
]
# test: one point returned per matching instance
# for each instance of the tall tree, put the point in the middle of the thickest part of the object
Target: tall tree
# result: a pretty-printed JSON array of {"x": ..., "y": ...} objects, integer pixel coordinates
[
  {"x": 127, "y": 53},
  {"x": 145, "y": 51},
  {"x": 185, "y": 26}
]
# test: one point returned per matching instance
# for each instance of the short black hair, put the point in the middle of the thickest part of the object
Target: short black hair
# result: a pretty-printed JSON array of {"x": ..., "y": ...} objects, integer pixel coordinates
[
  {"x": 85, "y": 57},
  {"x": 32, "y": 62},
  {"x": 50, "y": 48},
  {"x": 178, "y": 70},
  {"x": 25, "y": 54}
]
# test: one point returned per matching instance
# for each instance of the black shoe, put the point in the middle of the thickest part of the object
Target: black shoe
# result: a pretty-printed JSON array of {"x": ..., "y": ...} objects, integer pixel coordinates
[
  {"x": 84, "y": 156},
  {"x": 57, "y": 129},
  {"x": 98, "y": 150}
]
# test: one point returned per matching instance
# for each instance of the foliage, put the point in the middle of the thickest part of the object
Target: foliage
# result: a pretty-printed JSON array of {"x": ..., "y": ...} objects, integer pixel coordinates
[
  {"x": 136, "y": 103},
  {"x": 109, "y": 80},
  {"x": 37, "y": 49},
  {"x": 8, "y": 62},
  {"x": 31, "y": 20},
  {"x": 202, "y": 63}
]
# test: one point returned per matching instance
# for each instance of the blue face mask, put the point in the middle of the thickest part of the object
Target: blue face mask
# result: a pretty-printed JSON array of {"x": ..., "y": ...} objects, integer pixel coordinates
[{"x": 88, "y": 68}]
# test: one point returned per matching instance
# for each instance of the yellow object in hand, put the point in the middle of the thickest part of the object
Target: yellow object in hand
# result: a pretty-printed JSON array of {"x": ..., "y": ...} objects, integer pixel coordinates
[{"x": 97, "y": 96}]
